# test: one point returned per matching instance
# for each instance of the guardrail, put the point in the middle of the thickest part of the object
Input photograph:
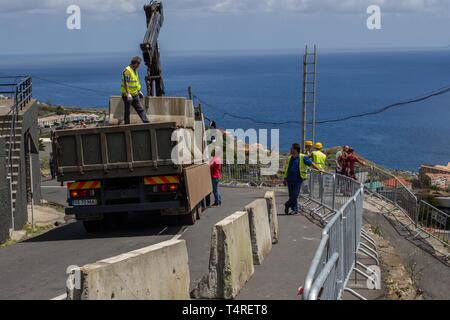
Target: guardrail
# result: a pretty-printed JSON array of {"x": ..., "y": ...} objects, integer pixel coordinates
[
  {"x": 250, "y": 174},
  {"x": 19, "y": 89},
  {"x": 339, "y": 207},
  {"x": 422, "y": 216}
]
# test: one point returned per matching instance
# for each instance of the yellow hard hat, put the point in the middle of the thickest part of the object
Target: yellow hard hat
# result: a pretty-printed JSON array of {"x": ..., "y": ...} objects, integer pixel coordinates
[
  {"x": 309, "y": 143},
  {"x": 318, "y": 145}
]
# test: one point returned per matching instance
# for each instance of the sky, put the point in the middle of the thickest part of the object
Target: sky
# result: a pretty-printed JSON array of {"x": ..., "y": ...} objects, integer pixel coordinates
[{"x": 39, "y": 27}]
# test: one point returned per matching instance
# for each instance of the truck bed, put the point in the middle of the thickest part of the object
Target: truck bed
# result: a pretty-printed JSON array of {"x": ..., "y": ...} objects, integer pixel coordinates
[{"x": 114, "y": 151}]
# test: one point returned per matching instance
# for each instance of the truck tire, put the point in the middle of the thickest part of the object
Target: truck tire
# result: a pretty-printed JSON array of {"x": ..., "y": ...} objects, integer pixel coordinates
[
  {"x": 92, "y": 226},
  {"x": 199, "y": 211},
  {"x": 189, "y": 219}
]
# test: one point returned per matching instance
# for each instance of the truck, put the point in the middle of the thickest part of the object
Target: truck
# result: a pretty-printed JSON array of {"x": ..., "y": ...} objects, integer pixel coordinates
[{"x": 114, "y": 170}]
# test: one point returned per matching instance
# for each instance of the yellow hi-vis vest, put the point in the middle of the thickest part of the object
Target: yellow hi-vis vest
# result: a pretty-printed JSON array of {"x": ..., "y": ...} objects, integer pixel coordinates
[
  {"x": 320, "y": 159},
  {"x": 302, "y": 166},
  {"x": 134, "y": 84}
]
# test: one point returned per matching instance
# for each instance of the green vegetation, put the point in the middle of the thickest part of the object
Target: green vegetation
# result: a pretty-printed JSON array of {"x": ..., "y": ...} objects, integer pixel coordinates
[
  {"x": 30, "y": 233},
  {"x": 412, "y": 269},
  {"x": 377, "y": 230},
  {"x": 7, "y": 243},
  {"x": 41, "y": 145}
]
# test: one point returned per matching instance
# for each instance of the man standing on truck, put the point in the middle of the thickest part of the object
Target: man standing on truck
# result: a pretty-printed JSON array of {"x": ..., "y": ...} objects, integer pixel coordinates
[{"x": 131, "y": 91}]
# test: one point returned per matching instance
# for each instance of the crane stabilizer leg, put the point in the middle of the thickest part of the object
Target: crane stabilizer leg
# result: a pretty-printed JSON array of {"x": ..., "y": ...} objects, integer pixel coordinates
[{"x": 150, "y": 49}]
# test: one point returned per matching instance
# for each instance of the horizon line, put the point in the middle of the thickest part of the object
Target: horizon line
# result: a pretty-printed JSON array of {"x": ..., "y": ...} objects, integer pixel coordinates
[{"x": 248, "y": 50}]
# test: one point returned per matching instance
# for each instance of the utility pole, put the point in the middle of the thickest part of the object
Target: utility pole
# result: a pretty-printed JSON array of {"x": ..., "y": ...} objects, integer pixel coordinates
[
  {"x": 190, "y": 92},
  {"x": 304, "y": 104},
  {"x": 315, "y": 96},
  {"x": 309, "y": 95}
]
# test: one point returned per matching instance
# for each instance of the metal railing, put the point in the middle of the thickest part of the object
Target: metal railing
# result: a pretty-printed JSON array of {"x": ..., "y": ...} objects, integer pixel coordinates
[
  {"x": 19, "y": 91},
  {"x": 422, "y": 216},
  {"x": 251, "y": 175},
  {"x": 342, "y": 238}
]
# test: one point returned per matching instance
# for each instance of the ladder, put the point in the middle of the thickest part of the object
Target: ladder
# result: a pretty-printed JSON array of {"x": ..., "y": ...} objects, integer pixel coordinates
[{"x": 309, "y": 96}]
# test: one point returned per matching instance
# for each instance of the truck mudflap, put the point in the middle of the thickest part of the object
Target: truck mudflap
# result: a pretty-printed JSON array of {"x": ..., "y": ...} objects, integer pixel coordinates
[
  {"x": 86, "y": 211},
  {"x": 198, "y": 184}
]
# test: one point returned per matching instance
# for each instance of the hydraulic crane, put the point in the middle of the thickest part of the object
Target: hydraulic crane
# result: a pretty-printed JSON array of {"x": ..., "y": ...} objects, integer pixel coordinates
[{"x": 150, "y": 49}]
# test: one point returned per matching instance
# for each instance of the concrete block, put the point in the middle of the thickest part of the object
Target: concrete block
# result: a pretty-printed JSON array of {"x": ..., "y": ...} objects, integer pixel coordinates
[
  {"x": 231, "y": 260},
  {"x": 260, "y": 233},
  {"x": 158, "y": 272},
  {"x": 158, "y": 110},
  {"x": 273, "y": 215}
]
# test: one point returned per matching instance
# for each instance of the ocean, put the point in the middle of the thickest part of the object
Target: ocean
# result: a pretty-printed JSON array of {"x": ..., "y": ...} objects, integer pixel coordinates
[{"x": 267, "y": 86}]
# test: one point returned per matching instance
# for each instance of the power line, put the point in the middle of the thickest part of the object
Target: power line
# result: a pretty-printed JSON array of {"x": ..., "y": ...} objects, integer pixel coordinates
[
  {"x": 71, "y": 86},
  {"x": 435, "y": 93},
  {"x": 90, "y": 89},
  {"x": 438, "y": 92}
]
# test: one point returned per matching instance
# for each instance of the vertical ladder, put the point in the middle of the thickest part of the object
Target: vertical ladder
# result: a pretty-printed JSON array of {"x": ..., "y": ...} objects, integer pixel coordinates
[{"x": 309, "y": 96}]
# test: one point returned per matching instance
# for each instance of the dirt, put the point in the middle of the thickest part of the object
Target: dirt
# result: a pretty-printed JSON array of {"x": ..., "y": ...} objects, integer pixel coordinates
[{"x": 396, "y": 277}]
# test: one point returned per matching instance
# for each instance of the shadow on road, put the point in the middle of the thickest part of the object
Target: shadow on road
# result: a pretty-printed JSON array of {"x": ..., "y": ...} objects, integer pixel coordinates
[{"x": 138, "y": 225}]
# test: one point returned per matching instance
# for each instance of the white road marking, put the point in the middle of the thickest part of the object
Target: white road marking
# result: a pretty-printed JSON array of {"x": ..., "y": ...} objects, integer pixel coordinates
[
  {"x": 61, "y": 297},
  {"x": 180, "y": 233},
  {"x": 162, "y": 231}
]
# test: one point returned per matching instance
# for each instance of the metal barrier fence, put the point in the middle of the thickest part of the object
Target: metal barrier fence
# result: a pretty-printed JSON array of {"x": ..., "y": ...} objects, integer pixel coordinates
[
  {"x": 250, "y": 174},
  {"x": 425, "y": 218},
  {"x": 336, "y": 257}
]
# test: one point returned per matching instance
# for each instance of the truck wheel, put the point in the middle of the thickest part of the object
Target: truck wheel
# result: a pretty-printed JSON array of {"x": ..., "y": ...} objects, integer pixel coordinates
[
  {"x": 199, "y": 211},
  {"x": 189, "y": 219},
  {"x": 92, "y": 226}
]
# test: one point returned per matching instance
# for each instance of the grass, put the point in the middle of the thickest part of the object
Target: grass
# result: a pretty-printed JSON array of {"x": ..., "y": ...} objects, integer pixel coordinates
[
  {"x": 377, "y": 230},
  {"x": 412, "y": 269},
  {"x": 7, "y": 243},
  {"x": 30, "y": 233}
]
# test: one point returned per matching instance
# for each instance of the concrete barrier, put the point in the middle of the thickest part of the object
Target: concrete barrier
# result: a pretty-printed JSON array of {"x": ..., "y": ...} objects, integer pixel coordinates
[
  {"x": 230, "y": 263},
  {"x": 158, "y": 272},
  {"x": 273, "y": 215},
  {"x": 260, "y": 233}
]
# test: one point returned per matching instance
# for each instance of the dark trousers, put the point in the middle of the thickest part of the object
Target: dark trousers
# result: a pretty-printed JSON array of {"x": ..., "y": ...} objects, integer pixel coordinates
[
  {"x": 217, "y": 197},
  {"x": 52, "y": 169},
  {"x": 294, "y": 192},
  {"x": 136, "y": 103}
]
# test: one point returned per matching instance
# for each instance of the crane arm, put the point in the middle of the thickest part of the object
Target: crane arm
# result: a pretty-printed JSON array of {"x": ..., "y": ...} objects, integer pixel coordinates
[{"x": 150, "y": 48}]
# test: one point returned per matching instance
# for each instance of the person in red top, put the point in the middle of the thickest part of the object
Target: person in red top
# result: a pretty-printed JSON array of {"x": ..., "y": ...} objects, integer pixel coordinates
[
  {"x": 349, "y": 163},
  {"x": 215, "y": 177}
]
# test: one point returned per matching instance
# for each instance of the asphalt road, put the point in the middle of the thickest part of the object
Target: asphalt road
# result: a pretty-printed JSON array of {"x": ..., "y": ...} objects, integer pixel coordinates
[
  {"x": 431, "y": 275},
  {"x": 35, "y": 269}
]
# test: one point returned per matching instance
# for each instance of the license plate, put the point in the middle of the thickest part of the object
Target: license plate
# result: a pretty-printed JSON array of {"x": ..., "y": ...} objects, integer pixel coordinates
[{"x": 85, "y": 202}]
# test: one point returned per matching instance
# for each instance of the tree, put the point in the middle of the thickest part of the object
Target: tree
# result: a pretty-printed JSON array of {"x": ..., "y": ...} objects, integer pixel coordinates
[
  {"x": 60, "y": 111},
  {"x": 41, "y": 145}
]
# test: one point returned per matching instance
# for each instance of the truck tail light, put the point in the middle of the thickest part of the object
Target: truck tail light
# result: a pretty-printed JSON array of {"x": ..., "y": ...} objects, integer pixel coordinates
[
  {"x": 167, "y": 187},
  {"x": 78, "y": 194}
]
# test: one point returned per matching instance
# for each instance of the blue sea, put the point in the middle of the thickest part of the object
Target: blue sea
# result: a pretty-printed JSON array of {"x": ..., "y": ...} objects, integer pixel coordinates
[{"x": 267, "y": 86}]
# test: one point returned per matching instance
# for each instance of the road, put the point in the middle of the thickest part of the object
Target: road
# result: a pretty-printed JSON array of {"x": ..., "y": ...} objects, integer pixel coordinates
[{"x": 35, "y": 269}]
